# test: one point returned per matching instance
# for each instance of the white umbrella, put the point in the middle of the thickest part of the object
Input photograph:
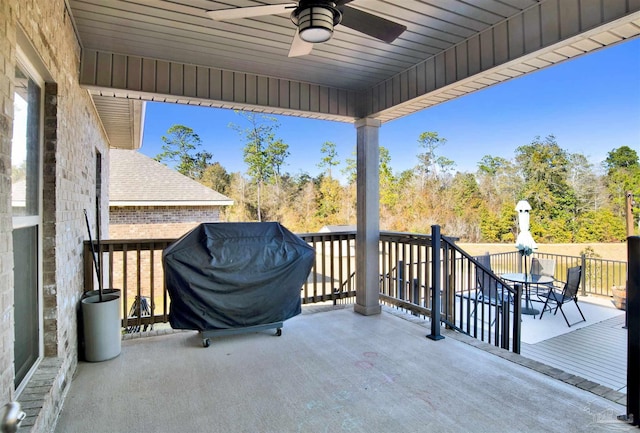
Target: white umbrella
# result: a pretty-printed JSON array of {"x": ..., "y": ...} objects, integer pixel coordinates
[{"x": 524, "y": 242}]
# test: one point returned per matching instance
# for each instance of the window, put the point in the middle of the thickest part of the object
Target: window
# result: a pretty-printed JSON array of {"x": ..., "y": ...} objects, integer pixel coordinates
[{"x": 26, "y": 199}]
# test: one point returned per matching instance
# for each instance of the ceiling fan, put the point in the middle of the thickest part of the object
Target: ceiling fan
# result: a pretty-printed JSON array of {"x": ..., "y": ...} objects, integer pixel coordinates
[{"x": 316, "y": 19}]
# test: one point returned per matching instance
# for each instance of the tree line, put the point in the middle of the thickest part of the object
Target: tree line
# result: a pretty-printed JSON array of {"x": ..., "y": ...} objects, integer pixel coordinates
[{"x": 573, "y": 201}]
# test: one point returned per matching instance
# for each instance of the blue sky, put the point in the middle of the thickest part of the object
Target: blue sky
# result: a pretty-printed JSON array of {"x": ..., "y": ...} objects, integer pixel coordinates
[{"x": 590, "y": 104}]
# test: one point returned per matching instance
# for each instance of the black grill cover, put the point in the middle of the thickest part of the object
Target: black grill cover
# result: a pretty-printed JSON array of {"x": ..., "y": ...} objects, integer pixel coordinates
[{"x": 233, "y": 275}]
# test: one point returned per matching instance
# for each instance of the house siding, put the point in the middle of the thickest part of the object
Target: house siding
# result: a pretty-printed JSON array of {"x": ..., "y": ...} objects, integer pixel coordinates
[{"x": 72, "y": 136}]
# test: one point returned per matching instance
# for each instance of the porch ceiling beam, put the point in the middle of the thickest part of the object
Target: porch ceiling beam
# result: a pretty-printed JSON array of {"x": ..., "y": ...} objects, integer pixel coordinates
[{"x": 133, "y": 77}]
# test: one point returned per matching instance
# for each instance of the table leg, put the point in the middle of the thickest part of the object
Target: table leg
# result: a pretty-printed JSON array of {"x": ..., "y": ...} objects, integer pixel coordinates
[{"x": 528, "y": 305}]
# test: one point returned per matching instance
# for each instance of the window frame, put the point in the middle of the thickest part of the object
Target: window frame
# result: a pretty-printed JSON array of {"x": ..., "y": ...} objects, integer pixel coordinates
[{"x": 27, "y": 63}]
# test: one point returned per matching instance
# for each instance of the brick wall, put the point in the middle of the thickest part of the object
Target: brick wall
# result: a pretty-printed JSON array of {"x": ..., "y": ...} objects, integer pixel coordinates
[
  {"x": 7, "y": 38},
  {"x": 158, "y": 222},
  {"x": 72, "y": 135},
  {"x": 163, "y": 214}
]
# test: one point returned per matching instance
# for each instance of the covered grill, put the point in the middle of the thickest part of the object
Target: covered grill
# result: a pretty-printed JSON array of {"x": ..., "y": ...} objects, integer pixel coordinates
[{"x": 226, "y": 278}]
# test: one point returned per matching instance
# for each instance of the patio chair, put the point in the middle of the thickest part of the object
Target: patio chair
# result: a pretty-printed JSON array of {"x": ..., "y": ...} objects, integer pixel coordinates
[
  {"x": 546, "y": 267},
  {"x": 488, "y": 291},
  {"x": 568, "y": 293}
]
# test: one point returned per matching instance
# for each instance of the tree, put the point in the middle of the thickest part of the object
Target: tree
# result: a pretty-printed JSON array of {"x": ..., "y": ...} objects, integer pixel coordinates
[
  {"x": 388, "y": 186},
  {"x": 263, "y": 153},
  {"x": 238, "y": 192},
  {"x": 330, "y": 156},
  {"x": 545, "y": 168},
  {"x": 301, "y": 213},
  {"x": 179, "y": 147},
  {"x": 429, "y": 160},
  {"x": 351, "y": 168},
  {"x": 587, "y": 185},
  {"x": 622, "y": 157},
  {"x": 498, "y": 180},
  {"x": 216, "y": 177},
  {"x": 19, "y": 172},
  {"x": 600, "y": 226},
  {"x": 623, "y": 174},
  {"x": 329, "y": 197},
  {"x": 466, "y": 206},
  {"x": 491, "y": 165},
  {"x": 498, "y": 226}
]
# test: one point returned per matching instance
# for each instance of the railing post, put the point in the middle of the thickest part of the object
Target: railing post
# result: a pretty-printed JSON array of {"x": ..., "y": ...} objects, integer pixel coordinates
[
  {"x": 415, "y": 293},
  {"x": 505, "y": 324},
  {"x": 583, "y": 275},
  {"x": 435, "y": 284},
  {"x": 400, "y": 280},
  {"x": 517, "y": 318},
  {"x": 633, "y": 330}
]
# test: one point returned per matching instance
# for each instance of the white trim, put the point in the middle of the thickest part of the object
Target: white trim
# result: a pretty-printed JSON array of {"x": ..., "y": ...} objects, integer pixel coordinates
[
  {"x": 28, "y": 60},
  {"x": 20, "y": 222},
  {"x": 170, "y": 203}
]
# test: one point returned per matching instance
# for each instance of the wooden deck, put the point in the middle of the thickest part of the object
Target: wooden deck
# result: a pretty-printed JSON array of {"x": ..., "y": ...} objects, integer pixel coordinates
[
  {"x": 596, "y": 352},
  {"x": 592, "y": 357}
]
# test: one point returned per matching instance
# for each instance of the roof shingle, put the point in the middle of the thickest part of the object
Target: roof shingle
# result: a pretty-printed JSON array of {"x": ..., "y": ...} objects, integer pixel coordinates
[{"x": 137, "y": 180}]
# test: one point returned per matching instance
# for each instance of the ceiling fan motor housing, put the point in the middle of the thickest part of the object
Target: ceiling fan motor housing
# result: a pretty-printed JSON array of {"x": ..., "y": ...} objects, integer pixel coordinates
[{"x": 316, "y": 19}]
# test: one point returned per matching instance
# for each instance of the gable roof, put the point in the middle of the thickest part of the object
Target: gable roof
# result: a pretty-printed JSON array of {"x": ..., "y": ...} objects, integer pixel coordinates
[{"x": 137, "y": 180}]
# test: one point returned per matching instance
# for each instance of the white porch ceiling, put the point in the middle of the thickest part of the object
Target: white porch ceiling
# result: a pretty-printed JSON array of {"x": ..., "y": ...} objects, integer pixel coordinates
[{"x": 171, "y": 51}]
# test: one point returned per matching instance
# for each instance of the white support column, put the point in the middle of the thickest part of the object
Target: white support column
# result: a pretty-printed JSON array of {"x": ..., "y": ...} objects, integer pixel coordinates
[{"x": 368, "y": 218}]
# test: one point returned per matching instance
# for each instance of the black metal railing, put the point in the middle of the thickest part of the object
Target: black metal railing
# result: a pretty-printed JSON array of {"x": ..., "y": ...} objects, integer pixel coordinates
[
  {"x": 412, "y": 272},
  {"x": 478, "y": 302},
  {"x": 404, "y": 271},
  {"x": 599, "y": 276}
]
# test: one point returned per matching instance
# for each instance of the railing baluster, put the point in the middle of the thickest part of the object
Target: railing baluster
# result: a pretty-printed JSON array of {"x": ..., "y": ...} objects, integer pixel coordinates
[
  {"x": 165, "y": 297},
  {"x": 400, "y": 282},
  {"x": 340, "y": 264},
  {"x": 138, "y": 298},
  {"x": 124, "y": 282},
  {"x": 409, "y": 281},
  {"x": 110, "y": 255},
  {"x": 315, "y": 270},
  {"x": 152, "y": 295},
  {"x": 390, "y": 261},
  {"x": 417, "y": 297},
  {"x": 332, "y": 268},
  {"x": 350, "y": 272}
]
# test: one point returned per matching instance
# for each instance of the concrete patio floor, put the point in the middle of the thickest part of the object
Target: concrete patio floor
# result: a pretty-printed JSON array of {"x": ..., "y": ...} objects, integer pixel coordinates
[{"x": 330, "y": 371}]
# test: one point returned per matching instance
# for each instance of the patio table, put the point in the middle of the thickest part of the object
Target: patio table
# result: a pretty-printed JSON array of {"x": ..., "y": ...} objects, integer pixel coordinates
[{"x": 528, "y": 280}]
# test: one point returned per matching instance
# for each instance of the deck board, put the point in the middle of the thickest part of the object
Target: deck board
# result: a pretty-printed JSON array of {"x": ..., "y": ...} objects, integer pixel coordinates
[{"x": 597, "y": 352}]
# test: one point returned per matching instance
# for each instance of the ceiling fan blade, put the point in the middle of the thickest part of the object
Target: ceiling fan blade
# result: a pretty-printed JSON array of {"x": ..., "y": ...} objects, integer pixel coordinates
[
  {"x": 372, "y": 25},
  {"x": 248, "y": 12},
  {"x": 299, "y": 47}
]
